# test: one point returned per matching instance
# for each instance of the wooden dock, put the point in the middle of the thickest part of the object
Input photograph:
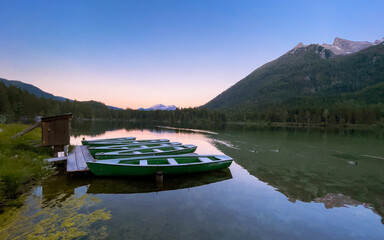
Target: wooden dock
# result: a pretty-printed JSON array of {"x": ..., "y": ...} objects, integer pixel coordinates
[{"x": 76, "y": 160}]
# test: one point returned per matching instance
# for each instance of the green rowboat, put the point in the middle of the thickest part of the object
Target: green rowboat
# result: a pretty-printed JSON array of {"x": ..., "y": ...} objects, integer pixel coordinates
[
  {"x": 123, "y": 142},
  {"x": 94, "y": 150},
  {"x": 170, "y": 164},
  {"x": 84, "y": 142},
  {"x": 150, "y": 151}
]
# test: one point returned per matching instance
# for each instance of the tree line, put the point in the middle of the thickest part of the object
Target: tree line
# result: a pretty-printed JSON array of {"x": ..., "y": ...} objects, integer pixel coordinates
[
  {"x": 16, "y": 104},
  {"x": 315, "y": 115}
]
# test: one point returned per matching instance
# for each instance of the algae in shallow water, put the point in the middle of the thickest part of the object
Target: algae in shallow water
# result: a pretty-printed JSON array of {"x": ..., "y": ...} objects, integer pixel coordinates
[{"x": 62, "y": 218}]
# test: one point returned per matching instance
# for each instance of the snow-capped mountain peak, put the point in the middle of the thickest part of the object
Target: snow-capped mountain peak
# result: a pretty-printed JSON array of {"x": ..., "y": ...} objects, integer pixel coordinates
[{"x": 159, "y": 107}]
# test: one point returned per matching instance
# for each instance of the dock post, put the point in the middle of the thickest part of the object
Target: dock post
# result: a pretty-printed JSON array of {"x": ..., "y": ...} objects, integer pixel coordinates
[{"x": 159, "y": 179}]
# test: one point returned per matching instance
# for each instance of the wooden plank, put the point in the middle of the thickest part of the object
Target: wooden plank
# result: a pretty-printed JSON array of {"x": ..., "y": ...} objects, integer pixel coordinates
[
  {"x": 71, "y": 162},
  {"x": 76, "y": 160},
  {"x": 205, "y": 159},
  {"x": 87, "y": 156},
  {"x": 57, "y": 159},
  {"x": 26, "y": 130},
  {"x": 80, "y": 160}
]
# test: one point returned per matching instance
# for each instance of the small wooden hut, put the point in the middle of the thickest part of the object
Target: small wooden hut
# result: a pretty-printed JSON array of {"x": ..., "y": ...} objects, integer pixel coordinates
[{"x": 55, "y": 131}]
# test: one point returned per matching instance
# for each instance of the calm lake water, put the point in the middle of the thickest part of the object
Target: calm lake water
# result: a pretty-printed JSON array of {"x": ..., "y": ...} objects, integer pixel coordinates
[{"x": 283, "y": 184}]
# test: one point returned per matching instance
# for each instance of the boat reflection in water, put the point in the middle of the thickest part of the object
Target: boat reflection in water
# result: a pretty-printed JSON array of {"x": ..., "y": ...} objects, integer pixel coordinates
[{"x": 90, "y": 184}]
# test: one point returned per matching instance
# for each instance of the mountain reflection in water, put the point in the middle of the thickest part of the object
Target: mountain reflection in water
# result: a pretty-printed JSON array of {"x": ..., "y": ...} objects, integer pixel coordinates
[
  {"x": 283, "y": 184},
  {"x": 310, "y": 167}
]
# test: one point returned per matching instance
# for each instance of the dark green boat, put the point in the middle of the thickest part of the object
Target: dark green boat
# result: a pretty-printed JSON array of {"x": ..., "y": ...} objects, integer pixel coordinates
[
  {"x": 85, "y": 142},
  {"x": 170, "y": 164},
  {"x": 122, "y": 142},
  {"x": 114, "y": 148},
  {"x": 150, "y": 151}
]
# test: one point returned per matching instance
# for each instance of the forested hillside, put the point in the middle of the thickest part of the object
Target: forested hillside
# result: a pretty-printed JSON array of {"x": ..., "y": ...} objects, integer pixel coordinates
[
  {"x": 310, "y": 71},
  {"x": 16, "y": 104},
  {"x": 310, "y": 85},
  {"x": 31, "y": 89}
]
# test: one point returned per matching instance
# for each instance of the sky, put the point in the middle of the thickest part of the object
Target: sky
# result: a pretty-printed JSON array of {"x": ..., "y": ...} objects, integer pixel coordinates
[{"x": 133, "y": 54}]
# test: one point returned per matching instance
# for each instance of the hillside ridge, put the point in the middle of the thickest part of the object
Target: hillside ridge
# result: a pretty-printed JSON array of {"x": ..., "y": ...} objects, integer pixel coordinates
[{"x": 304, "y": 71}]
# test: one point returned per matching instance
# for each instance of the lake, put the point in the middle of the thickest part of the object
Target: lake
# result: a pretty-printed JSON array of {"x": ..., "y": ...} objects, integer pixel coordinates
[{"x": 283, "y": 184}]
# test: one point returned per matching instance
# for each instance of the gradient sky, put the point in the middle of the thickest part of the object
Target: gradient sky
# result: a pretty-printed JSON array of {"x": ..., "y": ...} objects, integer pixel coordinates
[{"x": 182, "y": 52}]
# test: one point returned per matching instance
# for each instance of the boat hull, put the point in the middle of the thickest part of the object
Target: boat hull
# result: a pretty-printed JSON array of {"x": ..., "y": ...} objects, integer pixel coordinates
[
  {"x": 94, "y": 150},
  {"x": 101, "y": 169},
  {"x": 106, "y": 156},
  {"x": 86, "y": 142},
  {"x": 122, "y": 142}
]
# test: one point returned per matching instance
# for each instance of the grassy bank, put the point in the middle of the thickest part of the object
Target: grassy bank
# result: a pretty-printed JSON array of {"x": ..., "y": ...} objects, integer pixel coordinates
[{"x": 20, "y": 161}]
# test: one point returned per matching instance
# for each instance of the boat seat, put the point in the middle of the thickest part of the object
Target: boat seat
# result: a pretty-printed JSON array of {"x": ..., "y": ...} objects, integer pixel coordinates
[
  {"x": 144, "y": 146},
  {"x": 205, "y": 159},
  {"x": 137, "y": 152},
  {"x": 157, "y": 150},
  {"x": 143, "y": 163},
  {"x": 172, "y": 161},
  {"x": 179, "y": 148}
]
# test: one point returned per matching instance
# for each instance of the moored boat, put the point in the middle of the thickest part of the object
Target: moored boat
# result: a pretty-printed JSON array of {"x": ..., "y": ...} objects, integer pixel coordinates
[
  {"x": 150, "y": 165},
  {"x": 113, "y": 148},
  {"x": 123, "y": 142},
  {"x": 150, "y": 151},
  {"x": 84, "y": 142}
]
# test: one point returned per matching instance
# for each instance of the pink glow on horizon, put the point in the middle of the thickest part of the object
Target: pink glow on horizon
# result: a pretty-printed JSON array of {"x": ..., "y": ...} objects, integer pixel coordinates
[{"x": 127, "y": 93}]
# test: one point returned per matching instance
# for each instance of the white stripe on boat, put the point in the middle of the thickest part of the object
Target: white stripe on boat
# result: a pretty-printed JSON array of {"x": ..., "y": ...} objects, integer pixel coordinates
[
  {"x": 222, "y": 157},
  {"x": 172, "y": 161},
  {"x": 205, "y": 159},
  {"x": 157, "y": 150},
  {"x": 143, "y": 162}
]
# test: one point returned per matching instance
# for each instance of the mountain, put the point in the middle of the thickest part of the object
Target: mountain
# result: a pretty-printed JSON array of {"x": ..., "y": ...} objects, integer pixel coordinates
[
  {"x": 343, "y": 46},
  {"x": 40, "y": 93},
  {"x": 31, "y": 89},
  {"x": 159, "y": 107},
  {"x": 308, "y": 72}
]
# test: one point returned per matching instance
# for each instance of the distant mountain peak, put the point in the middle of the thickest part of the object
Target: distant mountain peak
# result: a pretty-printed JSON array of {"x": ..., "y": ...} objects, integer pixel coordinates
[
  {"x": 159, "y": 107},
  {"x": 340, "y": 46},
  {"x": 378, "y": 41},
  {"x": 300, "y": 45}
]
